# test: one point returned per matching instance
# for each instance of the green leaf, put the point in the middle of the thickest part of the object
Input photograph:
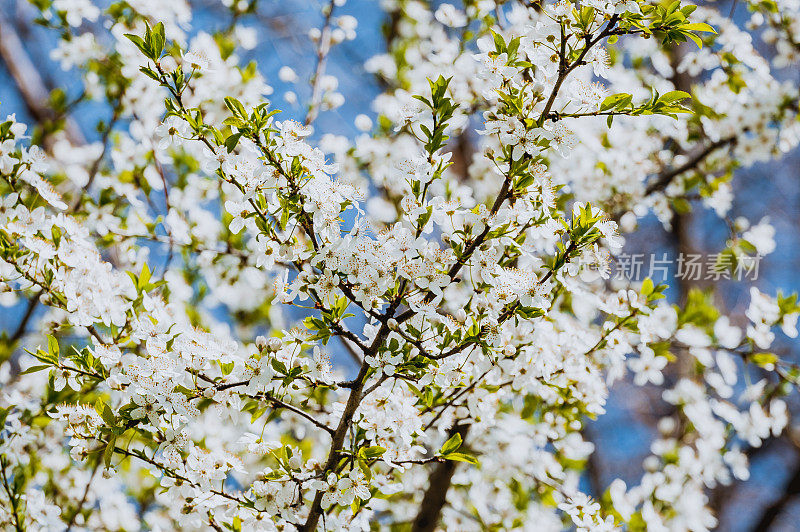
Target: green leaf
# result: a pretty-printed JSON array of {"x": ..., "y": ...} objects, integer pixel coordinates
[
  {"x": 462, "y": 457},
  {"x": 371, "y": 452},
  {"x": 34, "y": 369},
  {"x": 695, "y": 38},
  {"x": 278, "y": 366},
  {"x": 452, "y": 444},
  {"x": 52, "y": 346},
  {"x": 499, "y": 43},
  {"x": 105, "y": 413},
  {"x": 674, "y": 96},
  {"x": 144, "y": 277},
  {"x": 616, "y": 101},
  {"x": 232, "y": 141},
  {"x": 647, "y": 287},
  {"x": 236, "y": 107},
  {"x": 108, "y": 453},
  {"x": 140, "y": 44},
  {"x": 698, "y": 26},
  {"x": 158, "y": 40},
  {"x": 44, "y": 356},
  {"x": 56, "y": 232}
]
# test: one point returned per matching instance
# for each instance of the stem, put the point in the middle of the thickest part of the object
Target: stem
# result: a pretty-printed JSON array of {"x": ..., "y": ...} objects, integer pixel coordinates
[
  {"x": 322, "y": 56},
  {"x": 83, "y": 498},
  {"x": 336, "y": 444},
  {"x": 33, "y": 302},
  {"x": 663, "y": 180},
  {"x": 564, "y": 68},
  {"x": 353, "y": 401},
  {"x": 11, "y": 498}
]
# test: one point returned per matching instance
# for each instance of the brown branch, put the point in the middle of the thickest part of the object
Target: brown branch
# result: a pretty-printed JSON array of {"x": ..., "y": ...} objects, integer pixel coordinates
[
  {"x": 12, "y": 498},
  {"x": 774, "y": 510},
  {"x": 664, "y": 179},
  {"x": 33, "y": 302},
  {"x": 29, "y": 82},
  {"x": 565, "y": 68},
  {"x": 336, "y": 444},
  {"x": 177, "y": 476},
  {"x": 82, "y": 502},
  {"x": 286, "y": 406},
  {"x": 436, "y": 495},
  {"x": 350, "y": 350},
  {"x": 353, "y": 401},
  {"x": 593, "y": 467}
]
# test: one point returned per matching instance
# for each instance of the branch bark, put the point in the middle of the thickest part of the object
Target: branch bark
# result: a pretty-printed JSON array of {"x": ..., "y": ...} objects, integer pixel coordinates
[
  {"x": 26, "y": 77},
  {"x": 664, "y": 179},
  {"x": 436, "y": 495},
  {"x": 774, "y": 510}
]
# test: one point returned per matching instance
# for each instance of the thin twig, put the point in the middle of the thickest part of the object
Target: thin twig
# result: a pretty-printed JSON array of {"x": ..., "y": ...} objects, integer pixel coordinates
[
  {"x": 33, "y": 302},
  {"x": 83, "y": 498},
  {"x": 323, "y": 48},
  {"x": 664, "y": 179}
]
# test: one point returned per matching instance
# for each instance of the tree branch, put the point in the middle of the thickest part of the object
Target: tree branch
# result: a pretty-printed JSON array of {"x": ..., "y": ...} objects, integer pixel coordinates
[
  {"x": 33, "y": 302},
  {"x": 436, "y": 495},
  {"x": 322, "y": 56},
  {"x": 28, "y": 80},
  {"x": 664, "y": 179},
  {"x": 774, "y": 510}
]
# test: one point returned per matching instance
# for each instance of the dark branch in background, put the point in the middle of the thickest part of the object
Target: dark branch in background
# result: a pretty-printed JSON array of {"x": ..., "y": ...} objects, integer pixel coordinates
[
  {"x": 593, "y": 467},
  {"x": 20, "y": 331},
  {"x": 661, "y": 181},
  {"x": 29, "y": 82},
  {"x": 322, "y": 57},
  {"x": 95, "y": 168},
  {"x": 439, "y": 484},
  {"x": 774, "y": 510},
  {"x": 723, "y": 494},
  {"x": 36, "y": 97},
  {"x": 664, "y": 179},
  {"x": 82, "y": 502},
  {"x": 354, "y": 355}
]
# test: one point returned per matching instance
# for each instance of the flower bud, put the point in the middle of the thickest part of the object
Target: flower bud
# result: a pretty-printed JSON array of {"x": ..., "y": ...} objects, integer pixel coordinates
[
  {"x": 666, "y": 425},
  {"x": 651, "y": 464},
  {"x": 741, "y": 223}
]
